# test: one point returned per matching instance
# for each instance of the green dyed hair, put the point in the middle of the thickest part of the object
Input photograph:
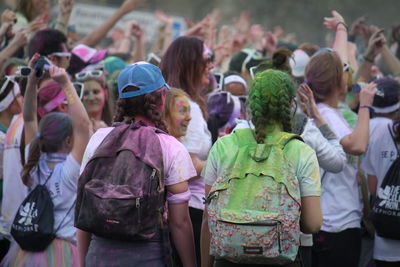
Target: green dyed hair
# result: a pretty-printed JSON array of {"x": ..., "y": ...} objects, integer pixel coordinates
[{"x": 270, "y": 99}]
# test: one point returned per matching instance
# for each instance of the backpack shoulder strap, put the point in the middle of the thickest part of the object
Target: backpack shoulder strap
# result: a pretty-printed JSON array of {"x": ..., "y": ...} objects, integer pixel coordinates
[
  {"x": 286, "y": 138},
  {"x": 394, "y": 140}
]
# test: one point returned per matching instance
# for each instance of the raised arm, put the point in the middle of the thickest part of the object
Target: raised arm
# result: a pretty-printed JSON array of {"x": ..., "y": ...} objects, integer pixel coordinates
[
  {"x": 20, "y": 39},
  {"x": 391, "y": 61},
  {"x": 138, "y": 53},
  {"x": 336, "y": 23},
  {"x": 29, "y": 110},
  {"x": 325, "y": 143},
  {"x": 374, "y": 48},
  {"x": 93, "y": 38},
  {"x": 356, "y": 143},
  {"x": 64, "y": 14},
  {"x": 80, "y": 118}
]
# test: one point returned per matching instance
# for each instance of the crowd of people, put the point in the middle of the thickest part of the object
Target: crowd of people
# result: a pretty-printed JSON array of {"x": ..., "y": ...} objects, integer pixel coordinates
[{"x": 229, "y": 145}]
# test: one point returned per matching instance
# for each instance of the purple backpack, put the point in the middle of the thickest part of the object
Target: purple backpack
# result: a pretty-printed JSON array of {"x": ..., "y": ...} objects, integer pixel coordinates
[{"x": 121, "y": 192}]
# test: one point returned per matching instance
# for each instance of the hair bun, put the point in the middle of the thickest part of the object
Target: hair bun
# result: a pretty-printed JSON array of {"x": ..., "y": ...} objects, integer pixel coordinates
[{"x": 280, "y": 58}]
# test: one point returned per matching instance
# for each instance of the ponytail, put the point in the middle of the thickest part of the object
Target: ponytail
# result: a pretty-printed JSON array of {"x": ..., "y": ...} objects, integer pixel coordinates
[{"x": 33, "y": 159}]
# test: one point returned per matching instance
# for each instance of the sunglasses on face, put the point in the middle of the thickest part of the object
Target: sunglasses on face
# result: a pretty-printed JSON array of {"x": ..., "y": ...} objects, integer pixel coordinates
[{"x": 88, "y": 74}]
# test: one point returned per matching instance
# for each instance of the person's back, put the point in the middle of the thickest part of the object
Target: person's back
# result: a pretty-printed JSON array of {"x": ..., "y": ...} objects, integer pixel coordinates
[
  {"x": 272, "y": 93},
  {"x": 56, "y": 147},
  {"x": 141, "y": 90}
]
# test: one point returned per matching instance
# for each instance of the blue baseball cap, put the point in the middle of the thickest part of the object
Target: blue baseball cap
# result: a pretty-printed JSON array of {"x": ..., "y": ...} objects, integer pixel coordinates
[{"x": 145, "y": 76}]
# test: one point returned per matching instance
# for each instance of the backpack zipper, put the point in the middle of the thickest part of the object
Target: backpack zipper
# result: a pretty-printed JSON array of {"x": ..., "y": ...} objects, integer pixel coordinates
[
  {"x": 153, "y": 174},
  {"x": 275, "y": 223},
  {"x": 138, "y": 208}
]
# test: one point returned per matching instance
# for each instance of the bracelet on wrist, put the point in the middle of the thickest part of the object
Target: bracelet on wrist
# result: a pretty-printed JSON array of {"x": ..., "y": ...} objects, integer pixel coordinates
[
  {"x": 342, "y": 23},
  {"x": 368, "y": 59},
  {"x": 371, "y": 109}
]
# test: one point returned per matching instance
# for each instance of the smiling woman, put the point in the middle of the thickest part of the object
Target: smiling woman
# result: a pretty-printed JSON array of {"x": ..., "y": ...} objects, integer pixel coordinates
[{"x": 95, "y": 98}]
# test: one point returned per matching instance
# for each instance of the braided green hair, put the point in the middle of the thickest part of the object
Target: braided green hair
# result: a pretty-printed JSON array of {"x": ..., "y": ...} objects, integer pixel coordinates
[{"x": 271, "y": 96}]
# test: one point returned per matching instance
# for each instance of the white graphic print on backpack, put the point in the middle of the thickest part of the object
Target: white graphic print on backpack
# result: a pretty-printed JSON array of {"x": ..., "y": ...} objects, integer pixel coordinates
[
  {"x": 389, "y": 200},
  {"x": 27, "y": 213}
]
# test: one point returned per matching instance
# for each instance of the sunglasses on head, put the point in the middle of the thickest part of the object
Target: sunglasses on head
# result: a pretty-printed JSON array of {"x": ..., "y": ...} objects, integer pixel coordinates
[
  {"x": 6, "y": 83},
  {"x": 61, "y": 54},
  {"x": 88, "y": 74},
  {"x": 23, "y": 71}
]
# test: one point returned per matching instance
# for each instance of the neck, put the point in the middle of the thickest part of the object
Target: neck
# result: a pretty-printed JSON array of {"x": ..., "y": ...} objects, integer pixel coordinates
[
  {"x": 332, "y": 101},
  {"x": 274, "y": 128},
  {"x": 146, "y": 120},
  {"x": 95, "y": 115},
  {"x": 5, "y": 118}
]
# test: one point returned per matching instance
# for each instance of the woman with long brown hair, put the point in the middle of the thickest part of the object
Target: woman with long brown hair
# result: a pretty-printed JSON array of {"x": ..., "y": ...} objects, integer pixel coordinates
[
  {"x": 339, "y": 241},
  {"x": 186, "y": 65}
]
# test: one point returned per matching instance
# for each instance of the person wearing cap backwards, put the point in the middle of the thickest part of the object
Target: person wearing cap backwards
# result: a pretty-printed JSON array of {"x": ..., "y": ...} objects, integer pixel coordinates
[{"x": 142, "y": 91}]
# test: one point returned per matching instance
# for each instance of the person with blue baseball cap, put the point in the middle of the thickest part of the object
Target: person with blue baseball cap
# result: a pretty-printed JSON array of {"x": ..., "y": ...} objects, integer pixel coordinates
[{"x": 142, "y": 90}]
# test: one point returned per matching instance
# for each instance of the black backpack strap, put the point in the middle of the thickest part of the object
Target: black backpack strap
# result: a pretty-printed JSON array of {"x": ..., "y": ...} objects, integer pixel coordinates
[
  {"x": 62, "y": 221},
  {"x": 38, "y": 171},
  {"x": 394, "y": 140}
]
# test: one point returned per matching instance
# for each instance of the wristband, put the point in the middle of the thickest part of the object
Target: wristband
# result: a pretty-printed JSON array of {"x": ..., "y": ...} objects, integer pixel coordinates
[
  {"x": 371, "y": 110},
  {"x": 344, "y": 24}
]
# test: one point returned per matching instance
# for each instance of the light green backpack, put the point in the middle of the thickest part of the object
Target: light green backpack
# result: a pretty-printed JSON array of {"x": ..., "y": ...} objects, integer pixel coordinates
[{"x": 254, "y": 209}]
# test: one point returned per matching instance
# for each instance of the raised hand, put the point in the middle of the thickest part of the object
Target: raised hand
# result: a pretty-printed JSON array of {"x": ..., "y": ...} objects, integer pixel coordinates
[
  {"x": 331, "y": 23},
  {"x": 367, "y": 94},
  {"x": 136, "y": 30},
  {"x": 307, "y": 101},
  {"x": 59, "y": 75},
  {"x": 20, "y": 38},
  {"x": 8, "y": 16},
  {"x": 375, "y": 44},
  {"x": 358, "y": 25},
  {"x": 66, "y": 6}
]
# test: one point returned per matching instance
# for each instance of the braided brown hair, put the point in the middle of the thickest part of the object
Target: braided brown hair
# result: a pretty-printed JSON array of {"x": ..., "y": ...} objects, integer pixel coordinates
[
  {"x": 270, "y": 100},
  {"x": 147, "y": 105}
]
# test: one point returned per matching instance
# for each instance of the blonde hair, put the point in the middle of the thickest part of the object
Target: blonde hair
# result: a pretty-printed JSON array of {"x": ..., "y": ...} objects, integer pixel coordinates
[{"x": 172, "y": 95}]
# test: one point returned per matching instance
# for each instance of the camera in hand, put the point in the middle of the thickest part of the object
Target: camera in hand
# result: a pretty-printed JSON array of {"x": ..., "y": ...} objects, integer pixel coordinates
[{"x": 41, "y": 66}]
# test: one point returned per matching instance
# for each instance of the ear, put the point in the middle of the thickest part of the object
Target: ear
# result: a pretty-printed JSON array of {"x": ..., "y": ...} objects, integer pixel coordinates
[
  {"x": 68, "y": 142},
  {"x": 62, "y": 108}
]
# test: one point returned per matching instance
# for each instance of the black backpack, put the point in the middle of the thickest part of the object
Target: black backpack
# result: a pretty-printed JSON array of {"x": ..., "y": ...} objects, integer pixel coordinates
[
  {"x": 33, "y": 225},
  {"x": 385, "y": 214}
]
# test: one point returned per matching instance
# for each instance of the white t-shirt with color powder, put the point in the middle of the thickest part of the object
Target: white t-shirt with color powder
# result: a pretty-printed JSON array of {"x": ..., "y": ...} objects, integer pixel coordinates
[
  {"x": 62, "y": 186},
  {"x": 198, "y": 141},
  {"x": 341, "y": 201},
  {"x": 178, "y": 166},
  {"x": 14, "y": 191},
  {"x": 379, "y": 157}
]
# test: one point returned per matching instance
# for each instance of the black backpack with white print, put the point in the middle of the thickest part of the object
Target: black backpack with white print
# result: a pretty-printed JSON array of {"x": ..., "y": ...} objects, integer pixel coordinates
[
  {"x": 385, "y": 214},
  {"x": 33, "y": 225}
]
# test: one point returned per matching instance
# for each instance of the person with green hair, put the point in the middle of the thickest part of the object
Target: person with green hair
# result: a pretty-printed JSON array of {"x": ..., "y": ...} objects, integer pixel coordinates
[{"x": 270, "y": 100}]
